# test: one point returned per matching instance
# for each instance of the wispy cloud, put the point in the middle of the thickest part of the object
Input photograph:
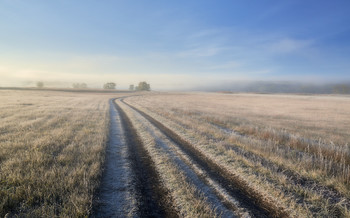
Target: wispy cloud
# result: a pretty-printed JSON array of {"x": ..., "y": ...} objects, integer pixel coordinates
[
  {"x": 288, "y": 45},
  {"x": 229, "y": 65},
  {"x": 201, "y": 51}
]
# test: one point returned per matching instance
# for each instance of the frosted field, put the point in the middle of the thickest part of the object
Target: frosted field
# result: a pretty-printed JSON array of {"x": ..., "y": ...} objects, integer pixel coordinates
[{"x": 173, "y": 154}]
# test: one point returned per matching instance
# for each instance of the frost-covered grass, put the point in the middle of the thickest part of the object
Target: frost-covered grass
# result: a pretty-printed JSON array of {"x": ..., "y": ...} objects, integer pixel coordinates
[
  {"x": 52, "y": 148},
  {"x": 188, "y": 199},
  {"x": 51, "y": 151},
  {"x": 305, "y": 135},
  {"x": 313, "y": 117}
]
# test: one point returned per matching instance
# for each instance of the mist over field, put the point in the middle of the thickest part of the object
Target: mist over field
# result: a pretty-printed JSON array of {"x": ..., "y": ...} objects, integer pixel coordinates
[
  {"x": 279, "y": 87},
  {"x": 208, "y": 46},
  {"x": 200, "y": 108},
  {"x": 188, "y": 83}
]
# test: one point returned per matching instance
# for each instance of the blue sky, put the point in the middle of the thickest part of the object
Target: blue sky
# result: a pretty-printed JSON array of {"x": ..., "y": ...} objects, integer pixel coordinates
[{"x": 173, "y": 44}]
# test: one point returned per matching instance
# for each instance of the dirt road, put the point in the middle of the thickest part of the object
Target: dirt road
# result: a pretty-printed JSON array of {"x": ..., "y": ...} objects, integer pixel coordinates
[
  {"x": 225, "y": 193},
  {"x": 170, "y": 175},
  {"x": 130, "y": 185},
  {"x": 247, "y": 199}
]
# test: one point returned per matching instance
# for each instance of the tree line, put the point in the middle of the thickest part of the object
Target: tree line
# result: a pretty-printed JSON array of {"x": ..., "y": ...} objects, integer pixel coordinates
[{"x": 142, "y": 86}]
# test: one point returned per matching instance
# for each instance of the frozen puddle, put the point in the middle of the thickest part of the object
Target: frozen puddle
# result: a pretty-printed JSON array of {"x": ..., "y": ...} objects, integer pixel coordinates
[{"x": 115, "y": 198}]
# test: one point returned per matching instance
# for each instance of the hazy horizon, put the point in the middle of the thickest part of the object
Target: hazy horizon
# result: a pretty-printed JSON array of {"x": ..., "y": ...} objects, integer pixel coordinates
[{"x": 173, "y": 45}]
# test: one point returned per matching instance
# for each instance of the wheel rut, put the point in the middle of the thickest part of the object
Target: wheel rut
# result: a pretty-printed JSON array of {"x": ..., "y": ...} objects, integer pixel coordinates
[
  {"x": 113, "y": 198},
  {"x": 151, "y": 195},
  {"x": 247, "y": 197}
]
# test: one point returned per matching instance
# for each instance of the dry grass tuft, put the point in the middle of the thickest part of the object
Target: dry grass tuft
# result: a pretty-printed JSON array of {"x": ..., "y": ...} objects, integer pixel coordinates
[
  {"x": 51, "y": 152},
  {"x": 294, "y": 147},
  {"x": 188, "y": 200}
]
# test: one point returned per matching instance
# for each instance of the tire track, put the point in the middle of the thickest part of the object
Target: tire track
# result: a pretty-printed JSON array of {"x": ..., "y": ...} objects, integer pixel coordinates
[
  {"x": 152, "y": 197},
  {"x": 335, "y": 200},
  {"x": 114, "y": 196},
  {"x": 219, "y": 201},
  {"x": 240, "y": 190}
]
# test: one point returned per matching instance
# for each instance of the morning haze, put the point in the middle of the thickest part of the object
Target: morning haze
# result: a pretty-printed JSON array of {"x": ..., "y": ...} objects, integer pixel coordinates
[
  {"x": 173, "y": 45},
  {"x": 202, "y": 108}
]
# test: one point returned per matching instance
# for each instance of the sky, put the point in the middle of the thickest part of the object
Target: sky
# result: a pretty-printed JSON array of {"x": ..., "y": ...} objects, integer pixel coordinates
[{"x": 173, "y": 44}]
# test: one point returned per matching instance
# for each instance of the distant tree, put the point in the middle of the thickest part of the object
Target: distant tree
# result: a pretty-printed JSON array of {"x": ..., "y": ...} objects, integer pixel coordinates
[
  {"x": 40, "y": 84},
  {"x": 83, "y": 85},
  {"x": 79, "y": 85},
  {"x": 143, "y": 86},
  {"x": 131, "y": 88},
  {"x": 341, "y": 89},
  {"x": 109, "y": 85}
]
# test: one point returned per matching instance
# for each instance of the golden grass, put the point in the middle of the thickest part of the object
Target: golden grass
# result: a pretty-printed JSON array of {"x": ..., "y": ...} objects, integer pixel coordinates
[
  {"x": 325, "y": 117},
  {"x": 307, "y": 135},
  {"x": 52, "y": 148},
  {"x": 188, "y": 200},
  {"x": 51, "y": 151}
]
